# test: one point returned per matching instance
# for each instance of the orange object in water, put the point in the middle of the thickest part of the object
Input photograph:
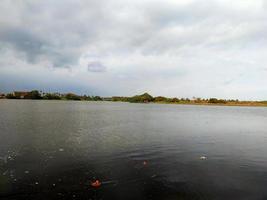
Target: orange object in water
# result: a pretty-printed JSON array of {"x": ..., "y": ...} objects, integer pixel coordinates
[{"x": 96, "y": 184}]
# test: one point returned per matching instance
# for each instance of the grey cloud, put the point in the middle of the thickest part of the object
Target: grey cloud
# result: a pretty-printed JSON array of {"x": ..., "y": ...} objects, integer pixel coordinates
[
  {"x": 192, "y": 44},
  {"x": 23, "y": 41},
  {"x": 55, "y": 31},
  {"x": 96, "y": 67},
  {"x": 35, "y": 47},
  {"x": 61, "y": 31}
]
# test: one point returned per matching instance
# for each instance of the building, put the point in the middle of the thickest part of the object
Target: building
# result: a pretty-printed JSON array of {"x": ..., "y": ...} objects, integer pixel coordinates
[
  {"x": 20, "y": 94},
  {"x": 2, "y": 96}
]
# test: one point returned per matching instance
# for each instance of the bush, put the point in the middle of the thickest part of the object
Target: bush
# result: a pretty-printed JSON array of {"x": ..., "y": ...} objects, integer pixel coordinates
[
  {"x": 49, "y": 96},
  {"x": 71, "y": 96},
  {"x": 214, "y": 100}
]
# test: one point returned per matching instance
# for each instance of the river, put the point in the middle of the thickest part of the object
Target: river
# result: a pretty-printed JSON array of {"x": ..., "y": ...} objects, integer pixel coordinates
[{"x": 55, "y": 149}]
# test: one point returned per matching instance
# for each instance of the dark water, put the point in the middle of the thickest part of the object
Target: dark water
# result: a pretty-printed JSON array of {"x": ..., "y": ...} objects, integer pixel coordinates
[{"x": 54, "y": 149}]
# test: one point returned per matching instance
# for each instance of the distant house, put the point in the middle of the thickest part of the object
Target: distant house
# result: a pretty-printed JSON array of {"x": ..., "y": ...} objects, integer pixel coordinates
[
  {"x": 2, "y": 96},
  {"x": 20, "y": 94}
]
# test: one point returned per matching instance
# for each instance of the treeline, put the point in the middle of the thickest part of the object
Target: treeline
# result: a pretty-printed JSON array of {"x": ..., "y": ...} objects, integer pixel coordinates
[
  {"x": 143, "y": 98},
  {"x": 35, "y": 94},
  {"x": 146, "y": 98}
]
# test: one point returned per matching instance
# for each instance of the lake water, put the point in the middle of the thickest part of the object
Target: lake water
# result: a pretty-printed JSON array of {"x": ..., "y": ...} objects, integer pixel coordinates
[{"x": 54, "y": 149}]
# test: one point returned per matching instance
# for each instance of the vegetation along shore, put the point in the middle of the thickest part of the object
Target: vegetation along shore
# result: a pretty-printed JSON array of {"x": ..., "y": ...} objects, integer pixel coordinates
[{"x": 143, "y": 98}]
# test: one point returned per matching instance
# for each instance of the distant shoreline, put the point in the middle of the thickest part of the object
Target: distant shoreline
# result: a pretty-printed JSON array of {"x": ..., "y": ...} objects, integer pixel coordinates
[
  {"x": 254, "y": 104},
  {"x": 217, "y": 104},
  {"x": 143, "y": 98}
]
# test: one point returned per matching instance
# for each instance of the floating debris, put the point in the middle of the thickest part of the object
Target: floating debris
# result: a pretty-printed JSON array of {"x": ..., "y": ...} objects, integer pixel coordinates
[
  {"x": 96, "y": 184},
  {"x": 145, "y": 163},
  {"x": 26, "y": 172},
  {"x": 36, "y": 183},
  {"x": 61, "y": 149},
  {"x": 153, "y": 176},
  {"x": 54, "y": 184},
  {"x": 114, "y": 182},
  {"x": 203, "y": 157},
  {"x": 5, "y": 172}
]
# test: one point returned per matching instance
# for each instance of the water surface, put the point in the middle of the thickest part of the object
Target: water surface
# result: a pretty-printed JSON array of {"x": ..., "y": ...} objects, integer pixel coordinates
[{"x": 54, "y": 149}]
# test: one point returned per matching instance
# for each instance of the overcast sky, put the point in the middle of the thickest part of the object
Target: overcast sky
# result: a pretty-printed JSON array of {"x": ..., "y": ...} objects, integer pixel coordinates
[{"x": 183, "y": 48}]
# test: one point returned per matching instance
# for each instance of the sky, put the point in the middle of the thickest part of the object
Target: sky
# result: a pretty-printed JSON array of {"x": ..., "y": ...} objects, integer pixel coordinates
[{"x": 175, "y": 48}]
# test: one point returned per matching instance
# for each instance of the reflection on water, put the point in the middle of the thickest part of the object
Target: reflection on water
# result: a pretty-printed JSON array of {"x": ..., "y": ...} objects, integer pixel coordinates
[{"x": 54, "y": 149}]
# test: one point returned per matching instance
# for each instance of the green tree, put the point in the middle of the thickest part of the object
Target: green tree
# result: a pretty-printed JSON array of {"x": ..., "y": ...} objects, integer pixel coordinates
[
  {"x": 144, "y": 98},
  {"x": 34, "y": 94},
  {"x": 97, "y": 98},
  {"x": 71, "y": 96},
  {"x": 50, "y": 96},
  {"x": 160, "y": 99},
  {"x": 214, "y": 100}
]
